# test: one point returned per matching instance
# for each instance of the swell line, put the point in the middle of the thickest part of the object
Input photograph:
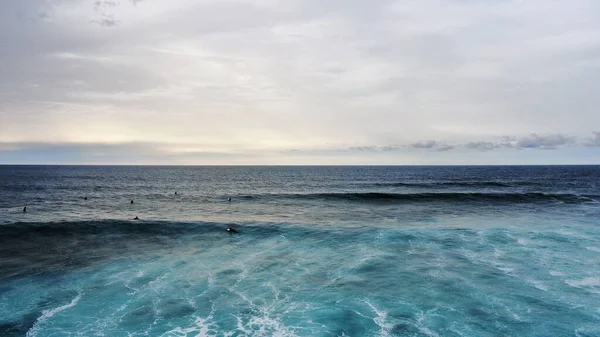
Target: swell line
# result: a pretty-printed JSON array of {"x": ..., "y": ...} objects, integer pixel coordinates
[{"x": 431, "y": 197}]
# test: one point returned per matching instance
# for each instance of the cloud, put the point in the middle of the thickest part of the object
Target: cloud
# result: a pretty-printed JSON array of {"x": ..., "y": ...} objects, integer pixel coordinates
[
  {"x": 535, "y": 141},
  {"x": 423, "y": 145},
  {"x": 105, "y": 9},
  {"x": 109, "y": 22},
  {"x": 373, "y": 148},
  {"x": 101, "y": 5},
  {"x": 593, "y": 141},
  {"x": 363, "y": 148},
  {"x": 445, "y": 147},
  {"x": 128, "y": 152},
  {"x": 429, "y": 144},
  {"x": 481, "y": 145},
  {"x": 362, "y": 78},
  {"x": 432, "y": 145},
  {"x": 532, "y": 141}
]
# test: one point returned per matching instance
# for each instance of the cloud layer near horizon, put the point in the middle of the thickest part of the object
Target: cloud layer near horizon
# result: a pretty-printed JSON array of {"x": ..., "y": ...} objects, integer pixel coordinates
[{"x": 301, "y": 81}]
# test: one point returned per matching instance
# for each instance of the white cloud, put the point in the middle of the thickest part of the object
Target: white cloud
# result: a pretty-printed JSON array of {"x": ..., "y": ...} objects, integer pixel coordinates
[
  {"x": 594, "y": 141},
  {"x": 249, "y": 75}
]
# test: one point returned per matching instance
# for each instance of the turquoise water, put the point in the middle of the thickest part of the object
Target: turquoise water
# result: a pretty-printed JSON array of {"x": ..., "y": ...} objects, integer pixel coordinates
[{"x": 419, "y": 251}]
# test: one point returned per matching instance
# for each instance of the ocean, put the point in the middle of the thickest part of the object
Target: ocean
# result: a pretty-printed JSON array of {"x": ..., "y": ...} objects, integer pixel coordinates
[{"x": 321, "y": 251}]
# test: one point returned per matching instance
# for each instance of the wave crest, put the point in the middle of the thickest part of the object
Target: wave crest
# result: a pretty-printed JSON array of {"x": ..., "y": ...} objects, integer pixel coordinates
[{"x": 433, "y": 197}]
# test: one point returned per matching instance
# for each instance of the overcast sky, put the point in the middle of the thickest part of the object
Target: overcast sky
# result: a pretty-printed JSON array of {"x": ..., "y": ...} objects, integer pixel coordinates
[{"x": 300, "y": 81}]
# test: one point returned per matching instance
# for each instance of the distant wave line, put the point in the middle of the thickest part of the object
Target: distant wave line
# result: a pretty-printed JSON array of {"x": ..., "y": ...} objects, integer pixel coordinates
[
  {"x": 453, "y": 184},
  {"x": 431, "y": 197}
]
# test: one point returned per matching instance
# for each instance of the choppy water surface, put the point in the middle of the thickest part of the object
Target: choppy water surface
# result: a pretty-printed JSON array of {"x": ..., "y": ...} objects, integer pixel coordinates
[{"x": 322, "y": 251}]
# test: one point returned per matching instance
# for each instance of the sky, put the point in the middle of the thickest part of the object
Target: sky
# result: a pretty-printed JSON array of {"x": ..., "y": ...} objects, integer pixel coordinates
[{"x": 300, "y": 82}]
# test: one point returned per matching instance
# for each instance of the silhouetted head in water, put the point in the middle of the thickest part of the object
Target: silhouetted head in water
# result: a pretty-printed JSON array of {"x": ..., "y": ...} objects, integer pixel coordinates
[
  {"x": 229, "y": 199},
  {"x": 175, "y": 192},
  {"x": 24, "y": 209},
  {"x": 136, "y": 218},
  {"x": 232, "y": 230},
  {"x": 85, "y": 198},
  {"x": 131, "y": 201}
]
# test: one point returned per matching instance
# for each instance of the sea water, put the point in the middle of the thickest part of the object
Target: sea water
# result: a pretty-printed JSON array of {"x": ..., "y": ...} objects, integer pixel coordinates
[{"x": 321, "y": 251}]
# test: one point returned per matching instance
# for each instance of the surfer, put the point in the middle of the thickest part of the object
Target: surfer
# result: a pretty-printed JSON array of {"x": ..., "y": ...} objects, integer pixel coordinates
[
  {"x": 232, "y": 230},
  {"x": 85, "y": 198},
  {"x": 131, "y": 201},
  {"x": 25, "y": 209},
  {"x": 175, "y": 192},
  {"x": 136, "y": 218},
  {"x": 229, "y": 199}
]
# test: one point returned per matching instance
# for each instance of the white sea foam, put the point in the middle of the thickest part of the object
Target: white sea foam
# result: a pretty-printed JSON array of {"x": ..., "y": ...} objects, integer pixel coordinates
[
  {"x": 538, "y": 285},
  {"x": 211, "y": 280},
  {"x": 584, "y": 283},
  {"x": 506, "y": 270},
  {"x": 570, "y": 233},
  {"x": 587, "y": 331},
  {"x": 556, "y": 273},
  {"x": 266, "y": 325},
  {"x": 423, "y": 328},
  {"x": 385, "y": 328},
  {"x": 128, "y": 283},
  {"x": 203, "y": 327},
  {"x": 47, "y": 314}
]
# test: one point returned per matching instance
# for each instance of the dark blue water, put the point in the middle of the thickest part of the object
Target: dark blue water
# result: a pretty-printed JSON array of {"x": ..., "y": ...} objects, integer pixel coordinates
[{"x": 322, "y": 251}]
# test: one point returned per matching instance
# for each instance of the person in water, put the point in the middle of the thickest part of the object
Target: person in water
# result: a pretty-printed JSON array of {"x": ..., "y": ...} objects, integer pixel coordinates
[
  {"x": 229, "y": 199},
  {"x": 131, "y": 201},
  {"x": 25, "y": 209},
  {"x": 232, "y": 230},
  {"x": 85, "y": 198},
  {"x": 136, "y": 218}
]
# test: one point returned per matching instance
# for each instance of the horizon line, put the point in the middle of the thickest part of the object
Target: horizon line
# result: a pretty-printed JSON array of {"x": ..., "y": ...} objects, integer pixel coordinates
[{"x": 298, "y": 165}]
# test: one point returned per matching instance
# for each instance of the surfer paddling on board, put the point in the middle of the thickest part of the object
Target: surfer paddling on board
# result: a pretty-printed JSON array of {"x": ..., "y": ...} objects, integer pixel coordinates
[{"x": 232, "y": 230}]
